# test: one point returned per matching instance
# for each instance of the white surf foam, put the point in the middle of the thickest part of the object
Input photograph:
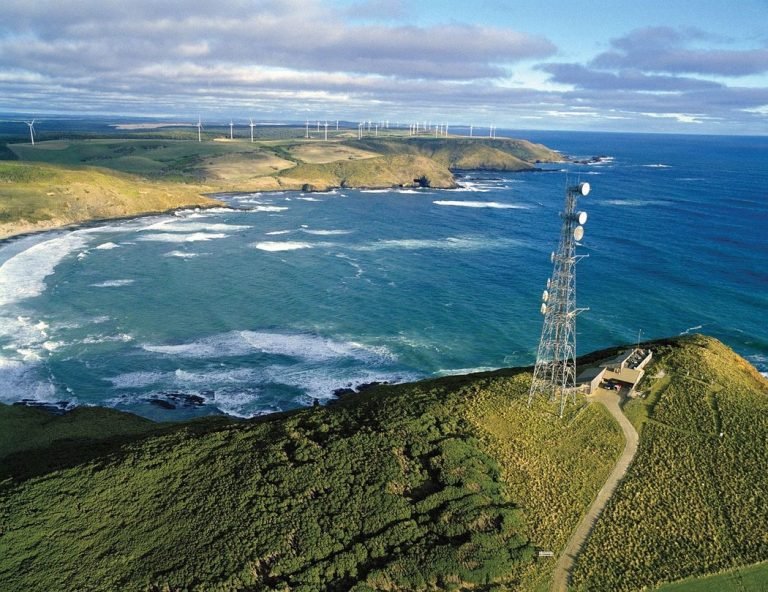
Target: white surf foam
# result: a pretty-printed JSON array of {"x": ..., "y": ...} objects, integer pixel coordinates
[
  {"x": 273, "y": 246},
  {"x": 303, "y": 346},
  {"x": 172, "y": 237},
  {"x": 450, "y": 243},
  {"x": 278, "y": 232},
  {"x": 326, "y": 232},
  {"x": 457, "y": 371},
  {"x": 107, "y": 246},
  {"x": 113, "y": 284},
  {"x": 480, "y": 204},
  {"x": 23, "y": 275},
  {"x": 18, "y": 381},
  {"x": 635, "y": 203},
  {"x": 308, "y": 199},
  {"x": 95, "y": 339},
  {"x": 182, "y": 226},
  {"x": 181, "y": 254},
  {"x": 657, "y": 166},
  {"x": 267, "y": 209}
]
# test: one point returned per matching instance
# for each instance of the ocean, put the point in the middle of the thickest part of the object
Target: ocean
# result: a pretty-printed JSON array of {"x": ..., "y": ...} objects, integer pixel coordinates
[{"x": 279, "y": 299}]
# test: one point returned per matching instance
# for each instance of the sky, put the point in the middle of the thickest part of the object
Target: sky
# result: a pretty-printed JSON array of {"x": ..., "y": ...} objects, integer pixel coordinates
[{"x": 678, "y": 66}]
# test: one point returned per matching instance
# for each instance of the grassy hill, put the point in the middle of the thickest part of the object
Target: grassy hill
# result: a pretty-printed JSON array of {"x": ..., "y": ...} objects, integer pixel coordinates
[
  {"x": 500, "y": 154},
  {"x": 83, "y": 177},
  {"x": 449, "y": 484},
  {"x": 695, "y": 500},
  {"x": 39, "y": 196}
]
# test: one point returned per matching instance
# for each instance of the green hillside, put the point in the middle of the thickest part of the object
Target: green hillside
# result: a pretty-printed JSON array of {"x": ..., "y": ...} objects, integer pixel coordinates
[
  {"x": 695, "y": 500},
  {"x": 449, "y": 484},
  {"x": 40, "y": 196}
]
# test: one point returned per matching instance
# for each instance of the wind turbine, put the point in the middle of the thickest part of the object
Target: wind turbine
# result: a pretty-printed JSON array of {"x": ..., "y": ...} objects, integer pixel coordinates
[
  {"x": 326, "y": 131},
  {"x": 231, "y": 130},
  {"x": 471, "y": 128},
  {"x": 252, "y": 126},
  {"x": 306, "y": 133},
  {"x": 199, "y": 128},
  {"x": 31, "y": 125}
]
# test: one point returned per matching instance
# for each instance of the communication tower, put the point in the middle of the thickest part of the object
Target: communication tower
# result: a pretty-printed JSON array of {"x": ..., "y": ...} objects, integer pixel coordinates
[{"x": 554, "y": 375}]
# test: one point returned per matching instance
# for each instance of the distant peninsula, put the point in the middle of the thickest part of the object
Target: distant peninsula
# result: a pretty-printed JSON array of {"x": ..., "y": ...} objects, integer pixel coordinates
[{"x": 63, "y": 181}]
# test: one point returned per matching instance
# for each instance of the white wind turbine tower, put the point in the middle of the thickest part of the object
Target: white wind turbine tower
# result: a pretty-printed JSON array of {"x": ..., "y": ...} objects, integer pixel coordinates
[
  {"x": 231, "y": 130},
  {"x": 31, "y": 125},
  {"x": 360, "y": 130},
  {"x": 199, "y": 129},
  {"x": 306, "y": 133},
  {"x": 252, "y": 126},
  {"x": 326, "y": 131},
  {"x": 471, "y": 129}
]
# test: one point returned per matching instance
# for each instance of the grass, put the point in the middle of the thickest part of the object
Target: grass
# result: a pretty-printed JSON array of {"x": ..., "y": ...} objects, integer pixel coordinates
[
  {"x": 448, "y": 484},
  {"x": 395, "y": 489},
  {"x": 753, "y": 578},
  {"x": 39, "y": 196},
  {"x": 695, "y": 499}
]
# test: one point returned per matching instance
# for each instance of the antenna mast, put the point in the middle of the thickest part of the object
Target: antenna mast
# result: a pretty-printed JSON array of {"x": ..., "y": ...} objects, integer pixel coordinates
[{"x": 555, "y": 372}]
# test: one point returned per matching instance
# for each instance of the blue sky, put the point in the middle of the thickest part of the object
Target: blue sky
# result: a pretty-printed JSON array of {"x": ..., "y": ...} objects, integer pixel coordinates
[{"x": 669, "y": 66}]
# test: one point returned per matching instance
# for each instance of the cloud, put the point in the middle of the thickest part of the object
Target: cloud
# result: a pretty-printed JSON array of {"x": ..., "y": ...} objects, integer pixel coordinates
[
  {"x": 583, "y": 77},
  {"x": 363, "y": 59},
  {"x": 378, "y": 9},
  {"x": 95, "y": 37},
  {"x": 662, "y": 49}
]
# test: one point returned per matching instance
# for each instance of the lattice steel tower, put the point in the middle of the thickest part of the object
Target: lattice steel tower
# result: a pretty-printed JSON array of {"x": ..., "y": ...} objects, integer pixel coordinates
[{"x": 555, "y": 372}]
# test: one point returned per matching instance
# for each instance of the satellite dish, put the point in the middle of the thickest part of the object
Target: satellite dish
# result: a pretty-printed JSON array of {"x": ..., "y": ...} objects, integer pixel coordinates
[
  {"x": 552, "y": 257},
  {"x": 545, "y": 296},
  {"x": 581, "y": 217},
  {"x": 549, "y": 283},
  {"x": 543, "y": 308},
  {"x": 584, "y": 189},
  {"x": 578, "y": 233}
]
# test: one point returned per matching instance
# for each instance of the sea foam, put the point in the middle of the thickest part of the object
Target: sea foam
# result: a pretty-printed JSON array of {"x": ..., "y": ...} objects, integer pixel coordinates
[
  {"x": 112, "y": 283},
  {"x": 23, "y": 275},
  {"x": 480, "y": 204},
  {"x": 172, "y": 237},
  {"x": 275, "y": 246},
  {"x": 296, "y": 345}
]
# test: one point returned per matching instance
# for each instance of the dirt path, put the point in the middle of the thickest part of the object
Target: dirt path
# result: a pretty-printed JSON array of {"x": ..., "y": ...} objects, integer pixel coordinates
[{"x": 578, "y": 538}]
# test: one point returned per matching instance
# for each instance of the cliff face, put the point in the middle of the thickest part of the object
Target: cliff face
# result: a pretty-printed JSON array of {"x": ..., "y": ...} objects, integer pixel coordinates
[
  {"x": 499, "y": 154},
  {"x": 383, "y": 171}
]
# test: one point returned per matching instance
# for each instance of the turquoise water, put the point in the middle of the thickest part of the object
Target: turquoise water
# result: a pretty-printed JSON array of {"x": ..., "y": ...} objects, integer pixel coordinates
[{"x": 284, "y": 297}]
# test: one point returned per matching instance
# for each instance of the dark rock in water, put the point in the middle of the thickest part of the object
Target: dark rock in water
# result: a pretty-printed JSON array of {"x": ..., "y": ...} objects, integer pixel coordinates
[
  {"x": 185, "y": 399},
  {"x": 340, "y": 392},
  {"x": 162, "y": 403},
  {"x": 57, "y": 408}
]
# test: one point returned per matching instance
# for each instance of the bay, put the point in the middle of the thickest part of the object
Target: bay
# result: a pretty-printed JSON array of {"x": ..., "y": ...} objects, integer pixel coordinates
[{"x": 281, "y": 298}]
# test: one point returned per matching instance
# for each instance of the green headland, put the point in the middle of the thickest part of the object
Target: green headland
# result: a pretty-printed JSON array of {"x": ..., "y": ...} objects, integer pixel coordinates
[
  {"x": 79, "y": 178},
  {"x": 447, "y": 484}
]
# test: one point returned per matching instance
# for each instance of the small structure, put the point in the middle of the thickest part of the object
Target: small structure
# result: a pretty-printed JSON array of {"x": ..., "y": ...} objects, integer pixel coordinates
[
  {"x": 627, "y": 368},
  {"x": 590, "y": 379}
]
